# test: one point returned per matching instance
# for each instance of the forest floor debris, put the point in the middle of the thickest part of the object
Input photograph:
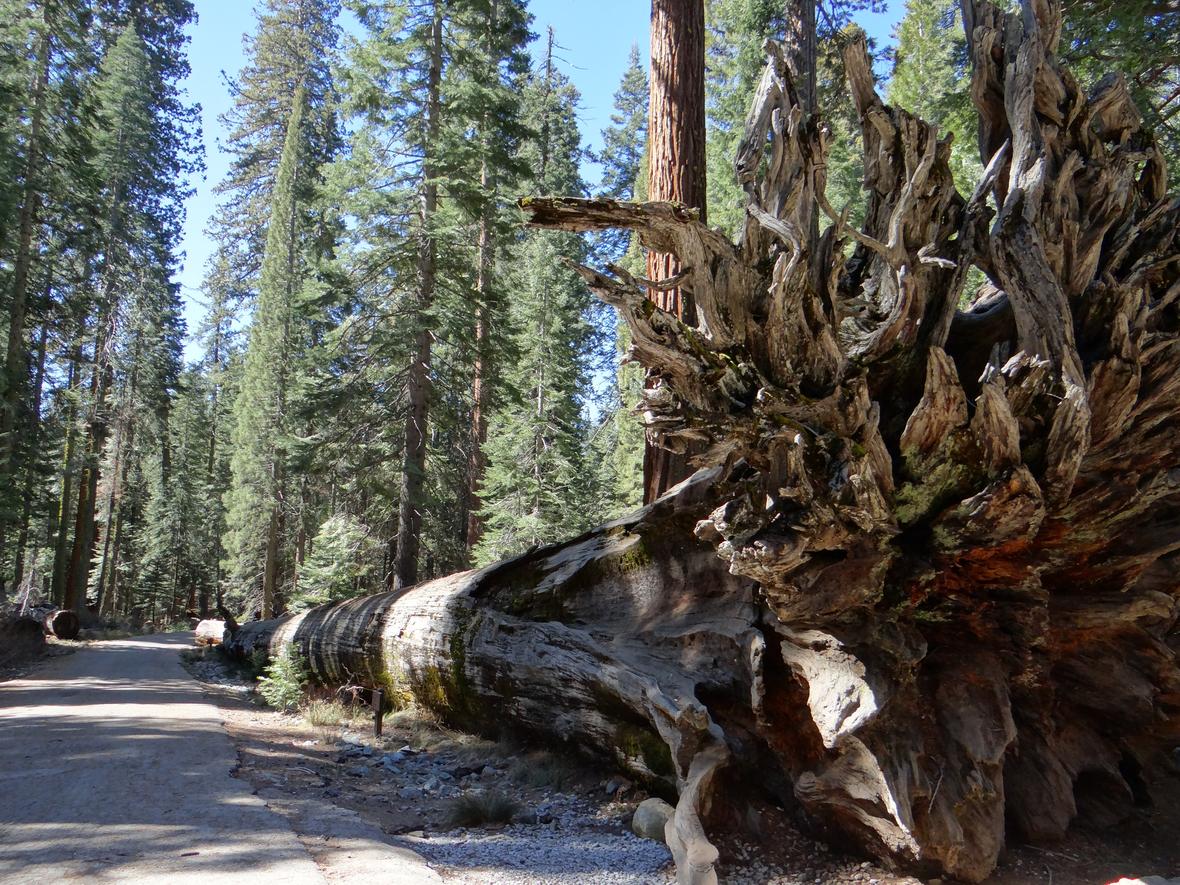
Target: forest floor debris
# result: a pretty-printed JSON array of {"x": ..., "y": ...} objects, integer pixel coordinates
[{"x": 572, "y": 824}]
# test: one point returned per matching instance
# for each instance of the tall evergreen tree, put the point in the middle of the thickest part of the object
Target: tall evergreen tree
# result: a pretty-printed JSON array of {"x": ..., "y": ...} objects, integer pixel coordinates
[
  {"x": 45, "y": 63},
  {"x": 624, "y": 143},
  {"x": 539, "y": 484},
  {"x": 258, "y": 494},
  {"x": 294, "y": 45},
  {"x": 931, "y": 79},
  {"x": 618, "y": 441},
  {"x": 138, "y": 155}
]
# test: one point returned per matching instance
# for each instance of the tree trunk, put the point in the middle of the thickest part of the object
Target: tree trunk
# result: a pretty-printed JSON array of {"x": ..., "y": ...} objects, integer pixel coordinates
[
  {"x": 950, "y": 545},
  {"x": 480, "y": 388},
  {"x": 29, "y": 492},
  {"x": 405, "y": 567},
  {"x": 66, "y": 499},
  {"x": 16, "y": 355},
  {"x": 210, "y": 632},
  {"x": 800, "y": 50},
  {"x": 509, "y": 644},
  {"x": 676, "y": 173},
  {"x": 972, "y": 581},
  {"x": 82, "y": 553},
  {"x": 62, "y": 623}
]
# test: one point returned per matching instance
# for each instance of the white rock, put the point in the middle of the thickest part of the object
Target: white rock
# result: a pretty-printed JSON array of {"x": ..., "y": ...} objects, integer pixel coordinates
[{"x": 650, "y": 817}]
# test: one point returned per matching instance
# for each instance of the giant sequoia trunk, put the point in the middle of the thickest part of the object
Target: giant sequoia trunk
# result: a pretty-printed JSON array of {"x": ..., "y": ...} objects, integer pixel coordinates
[
  {"x": 675, "y": 172},
  {"x": 948, "y": 599}
]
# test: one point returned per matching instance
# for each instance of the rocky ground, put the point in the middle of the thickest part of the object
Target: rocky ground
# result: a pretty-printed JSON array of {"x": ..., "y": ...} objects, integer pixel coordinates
[{"x": 485, "y": 812}]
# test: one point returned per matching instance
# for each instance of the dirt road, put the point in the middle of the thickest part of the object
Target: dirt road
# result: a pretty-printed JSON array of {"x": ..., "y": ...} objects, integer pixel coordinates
[{"x": 114, "y": 767}]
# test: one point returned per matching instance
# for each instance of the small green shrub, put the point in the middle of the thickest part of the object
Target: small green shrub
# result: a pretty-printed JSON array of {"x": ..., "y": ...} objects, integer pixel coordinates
[
  {"x": 282, "y": 686},
  {"x": 257, "y": 662},
  {"x": 477, "y": 808}
]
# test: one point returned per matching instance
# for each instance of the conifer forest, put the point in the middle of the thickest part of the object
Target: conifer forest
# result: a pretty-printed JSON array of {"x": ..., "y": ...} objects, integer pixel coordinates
[{"x": 817, "y": 435}]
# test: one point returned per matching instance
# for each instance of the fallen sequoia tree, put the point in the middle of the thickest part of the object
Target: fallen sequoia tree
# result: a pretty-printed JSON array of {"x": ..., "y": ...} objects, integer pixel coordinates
[{"x": 933, "y": 589}]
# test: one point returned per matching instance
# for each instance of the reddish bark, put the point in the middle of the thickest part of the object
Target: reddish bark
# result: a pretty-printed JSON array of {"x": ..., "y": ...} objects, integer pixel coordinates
[{"x": 676, "y": 173}]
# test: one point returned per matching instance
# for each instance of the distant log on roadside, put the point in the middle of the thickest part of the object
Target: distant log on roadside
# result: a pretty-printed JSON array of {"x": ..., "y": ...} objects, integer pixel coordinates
[
  {"x": 210, "y": 632},
  {"x": 63, "y": 624}
]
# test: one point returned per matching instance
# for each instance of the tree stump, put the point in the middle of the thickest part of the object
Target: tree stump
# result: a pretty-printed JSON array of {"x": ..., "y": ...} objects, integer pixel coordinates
[{"x": 211, "y": 632}]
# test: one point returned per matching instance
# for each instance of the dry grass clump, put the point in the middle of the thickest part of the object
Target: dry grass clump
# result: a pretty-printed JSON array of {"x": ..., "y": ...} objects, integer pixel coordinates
[
  {"x": 543, "y": 770},
  {"x": 479, "y": 807},
  {"x": 326, "y": 713}
]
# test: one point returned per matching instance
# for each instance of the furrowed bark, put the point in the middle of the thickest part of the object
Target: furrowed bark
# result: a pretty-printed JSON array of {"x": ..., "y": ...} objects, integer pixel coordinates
[
  {"x": 676, "y": 172},
  {"x": 409, "y": 515},
  {"x": 941, "y": 603},
  {"x": 962, "y": 524},
  {"x": 607, "y": 641}
]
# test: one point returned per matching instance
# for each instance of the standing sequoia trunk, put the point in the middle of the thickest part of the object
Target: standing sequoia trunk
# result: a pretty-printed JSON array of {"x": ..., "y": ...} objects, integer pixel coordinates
[
  {"x": 950, "y": 538},
  {"x": 675, "y": 173},
  {"x": 409, "y": 514}
]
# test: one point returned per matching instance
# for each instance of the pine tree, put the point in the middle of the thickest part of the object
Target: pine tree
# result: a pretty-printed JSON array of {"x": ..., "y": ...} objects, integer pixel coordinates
[
  {"x": 734, "y": 60},
  {"x": 45, "y": 61},
  {"x": 256, "y": 500},
  {"x": 294, "y": 45},
  {"x": 618, "y": 441},
  {"x": 137, "y": 154},
  {"x": 624, "y": 143},
  {"x": 1139, "y": 39},
  {"x": 931, "y": 79},
  {"x": 540, "y": 483},
  {"x": 482, "y": 86},
  {"x": 429, "y": 169}
]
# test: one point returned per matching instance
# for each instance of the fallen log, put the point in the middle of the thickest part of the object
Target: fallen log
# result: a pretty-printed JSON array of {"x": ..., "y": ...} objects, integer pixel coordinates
[
  {"x": 607, "y": 643},
  {"x": 21, "y": 637},
  {"x": 952, "y": 538},
  {"x": 210, "y": 632},
  {"x": 63, "y": 624}
]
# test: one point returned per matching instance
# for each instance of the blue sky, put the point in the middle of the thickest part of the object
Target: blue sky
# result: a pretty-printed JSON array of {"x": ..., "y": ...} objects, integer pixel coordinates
[{"x": 594, "y": 36}]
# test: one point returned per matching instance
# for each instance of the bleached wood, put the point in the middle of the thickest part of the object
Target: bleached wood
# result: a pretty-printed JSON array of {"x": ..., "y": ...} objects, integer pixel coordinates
[{"x": 933, "y": 595}]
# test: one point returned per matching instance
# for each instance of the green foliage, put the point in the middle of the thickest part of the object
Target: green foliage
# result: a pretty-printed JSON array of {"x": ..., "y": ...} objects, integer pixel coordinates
[
  {"x": 734, "y": 61},
  {"x": 617, "y": 443},
  {"x": 1139, "y": 39},
  {"x": 624, "y": 145},
  {"x": 931, "y": 78},
  {"x": 342, "y": 563},
  {"x": 323, "y": 713},
  {"x": 294, "y": 46},
  {"x": 539, "y": 482},
  {"x": 262, "y": 419},
  {"x": 284, "y": 679},
  {"x": 274, "y": 461}
]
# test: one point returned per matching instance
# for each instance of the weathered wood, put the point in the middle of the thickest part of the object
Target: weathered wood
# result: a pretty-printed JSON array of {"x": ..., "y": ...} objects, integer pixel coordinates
[
  {"x": 63, "y": 623},
  {"x": 944, "y": 597},
  {"x": 952, "y": 516},
  {"x": 608, "y": 643},
  {"x": 21, "y": 637},
  {"x": 211, "y": 632}
]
